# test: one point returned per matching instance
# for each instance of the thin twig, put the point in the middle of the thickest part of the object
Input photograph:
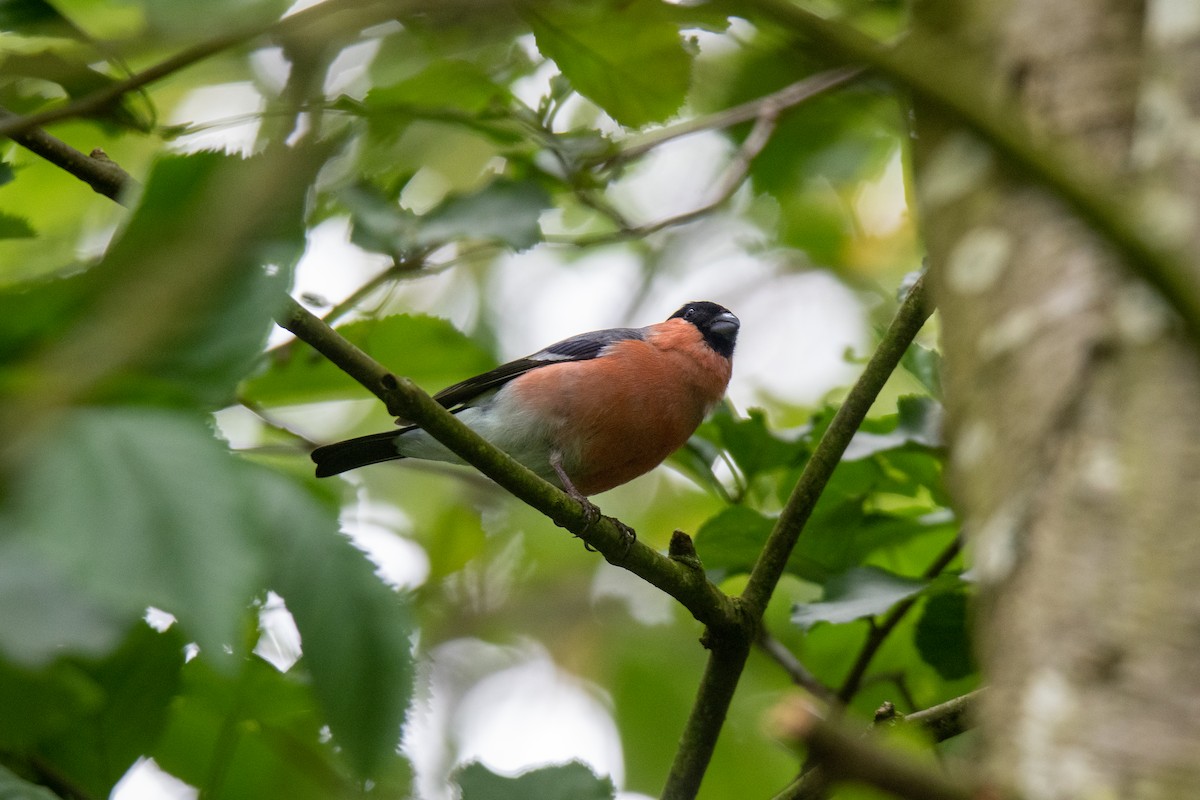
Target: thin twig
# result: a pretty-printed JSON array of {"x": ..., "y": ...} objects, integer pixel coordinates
[
  {"x": 401, "y": 265},
  {"x": 800, "y": 674},
  {"x": 731, "y": 179},
  {"x": 845, "y": 754},
  {"x": 785, "y": 98},
  {"x": 766, "y": 111},
  {"x": 943, "y": 721},
  {"x": 98, "y": 101},
  {"x": 880, "y": 631},
  {"x": 946, "y": 720},
  {"x": 97, "y": 170}
]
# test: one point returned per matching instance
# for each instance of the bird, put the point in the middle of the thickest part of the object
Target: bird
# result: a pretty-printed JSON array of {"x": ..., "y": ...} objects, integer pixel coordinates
[{"x": 588, "y": 413}]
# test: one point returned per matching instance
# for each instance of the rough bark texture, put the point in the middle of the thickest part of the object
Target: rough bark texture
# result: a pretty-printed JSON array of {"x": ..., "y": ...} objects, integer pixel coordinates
[{"x": 1073, "y": 400}]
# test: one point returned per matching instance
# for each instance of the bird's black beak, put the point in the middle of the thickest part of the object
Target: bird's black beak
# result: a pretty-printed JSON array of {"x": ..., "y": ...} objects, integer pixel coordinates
[{"x": 724, "y": 324}]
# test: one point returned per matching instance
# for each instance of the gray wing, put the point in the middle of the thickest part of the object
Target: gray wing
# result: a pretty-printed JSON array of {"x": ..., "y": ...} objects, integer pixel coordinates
[{"x": 583, "y": 347}]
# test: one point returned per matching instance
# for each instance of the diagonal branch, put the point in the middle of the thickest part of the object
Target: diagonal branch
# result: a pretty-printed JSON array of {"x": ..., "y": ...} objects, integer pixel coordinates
[
  {"x": 729, "y": 652},
  {"x": 358, "y": 14},
  {"x": 909, "y": 319},
  {"x": 679, "y": 575}
]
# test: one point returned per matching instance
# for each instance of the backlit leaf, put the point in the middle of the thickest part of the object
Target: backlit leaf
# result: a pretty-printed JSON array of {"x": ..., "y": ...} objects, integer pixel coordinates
[{"x": 626, "y": 57}]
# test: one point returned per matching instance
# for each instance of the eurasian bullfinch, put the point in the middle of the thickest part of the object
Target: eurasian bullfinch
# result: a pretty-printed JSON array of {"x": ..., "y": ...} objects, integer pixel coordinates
[{"x": 588, "y": 413}]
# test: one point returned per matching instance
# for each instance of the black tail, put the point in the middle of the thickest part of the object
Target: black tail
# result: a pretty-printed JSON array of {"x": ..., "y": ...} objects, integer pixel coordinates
[{"x": 353, "y": 453}]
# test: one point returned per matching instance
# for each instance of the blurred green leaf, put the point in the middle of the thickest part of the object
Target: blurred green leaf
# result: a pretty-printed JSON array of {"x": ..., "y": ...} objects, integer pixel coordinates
[
  {"x": 627, "y": 57},
  {"x": 861, "y": 592},
  {"x": 943, "y": 637},
  {"x": 431, "y": 351},
  {"x": 448, "y": 554},
  {"x": 210, "y": 18},
  {"x": 378, "y": 222},
  {"x": 93, "y": 719},
  {"x": 129, "y": 508},
  {"x": 34, "y": 313},
  {"x": 354, "y": 630},
  {"x": 248, "y": 732},
  {"x": 73, "y": 70},
  {"x": 14, "y": 227},
  {"x": 504, "y": 211},
  {"x": 13, "y": 788},
  {"x": 452, "y": 83},
  {"x": 573, "y": 781},
  {"x": 31, "y": 18},
  {"x": 220, "y": 340}
]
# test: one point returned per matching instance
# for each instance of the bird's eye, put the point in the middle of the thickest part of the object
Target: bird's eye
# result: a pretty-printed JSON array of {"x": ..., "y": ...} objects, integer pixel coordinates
[{"x": 689, "y": 314}]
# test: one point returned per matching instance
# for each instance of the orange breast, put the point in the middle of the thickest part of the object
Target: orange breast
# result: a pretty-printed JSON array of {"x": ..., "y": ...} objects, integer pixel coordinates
[{"x": 618, "y": 416}]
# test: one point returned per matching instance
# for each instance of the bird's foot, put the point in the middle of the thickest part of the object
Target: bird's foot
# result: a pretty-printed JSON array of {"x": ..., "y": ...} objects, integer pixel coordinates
[
  {"x": 591, "y": 514},
  {"x": 628, "y": 534}
]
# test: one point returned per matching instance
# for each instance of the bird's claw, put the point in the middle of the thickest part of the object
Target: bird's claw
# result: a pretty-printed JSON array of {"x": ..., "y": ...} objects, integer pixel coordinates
[
  {"x": 628, "y": 534},
  {"x": 591, "y": 513}
]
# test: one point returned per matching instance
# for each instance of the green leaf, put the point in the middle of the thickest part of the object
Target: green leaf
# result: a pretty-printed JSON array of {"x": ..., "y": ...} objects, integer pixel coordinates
[
  {"x": 250, "y": 731},
  {"x": 729, "y": 543},
  {"x": 503, "y": 211},
  {"x": 573, "y": 781},
  {"x": 696, "y": 459},
  {"x": 924, "y": 364},
  {"x": 942, "y": 635},
  {"x": 753, "y": 447},
  {"x": 93, "y": 719},
  {"x": 50, "y": 613},
  {"x": 217, "y": 342},
  {"x": 33, "y": 314},
  {"x": 443, "y": 84},
  {"x": 14, "y": 227},
  {"x": 129, "y": 508},
  {"x": 431, "y": 351},
  {"x": 918, "y": 421},
  {"x": 354, "y": 630},
  {"x": 73, "y": 71},
  {"x": 859, "y": 593},
  {"x": 13, "y": 788},
  {"x": 840, "y": 535},
  {"x": 29, "y": 17},
  {"x": 210, "y": 18},
  {"x": 626, "y": 57},
  {"x": 378, "y": 222}
]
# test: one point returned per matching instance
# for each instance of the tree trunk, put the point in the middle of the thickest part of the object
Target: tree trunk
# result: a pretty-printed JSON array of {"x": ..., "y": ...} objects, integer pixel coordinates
[{"x": 1073, "y": 399}]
